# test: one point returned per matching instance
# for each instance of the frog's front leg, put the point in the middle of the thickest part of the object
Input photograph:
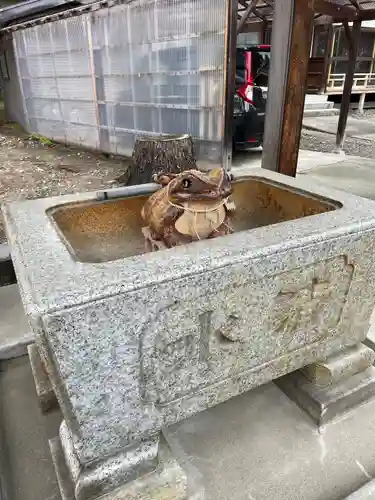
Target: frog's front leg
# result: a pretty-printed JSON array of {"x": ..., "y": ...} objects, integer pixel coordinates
[
  {"x": 224, "y": 229},
  {"x": 152, "y": 244}
]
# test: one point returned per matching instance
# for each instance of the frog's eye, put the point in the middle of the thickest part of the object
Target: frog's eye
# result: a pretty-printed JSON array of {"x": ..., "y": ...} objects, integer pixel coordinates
[{"x": 186, "y": 183}]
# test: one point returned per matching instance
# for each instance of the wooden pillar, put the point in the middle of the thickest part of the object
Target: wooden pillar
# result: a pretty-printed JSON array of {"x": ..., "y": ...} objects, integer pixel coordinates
[
  {"x": 353, "y": 42},
  {"x": 361, "y": 105},
  {"x": 291, "y": 41},
  {"x": 327, "y": 59}
]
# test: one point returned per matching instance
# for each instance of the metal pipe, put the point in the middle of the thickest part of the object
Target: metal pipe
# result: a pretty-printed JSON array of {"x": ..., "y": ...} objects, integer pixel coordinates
[{"x": 127, "y": 191}]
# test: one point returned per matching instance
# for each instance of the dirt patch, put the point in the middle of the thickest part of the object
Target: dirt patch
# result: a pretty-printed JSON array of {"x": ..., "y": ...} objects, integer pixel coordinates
[{"x": 33, "y": 168}]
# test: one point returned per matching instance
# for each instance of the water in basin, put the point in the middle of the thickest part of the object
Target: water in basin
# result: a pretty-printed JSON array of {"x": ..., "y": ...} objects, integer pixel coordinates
[{"x": 103, "y": 231}]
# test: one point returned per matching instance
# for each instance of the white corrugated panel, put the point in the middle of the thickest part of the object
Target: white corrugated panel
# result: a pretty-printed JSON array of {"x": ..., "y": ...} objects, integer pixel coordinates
[{"x": 154, "y": 67}]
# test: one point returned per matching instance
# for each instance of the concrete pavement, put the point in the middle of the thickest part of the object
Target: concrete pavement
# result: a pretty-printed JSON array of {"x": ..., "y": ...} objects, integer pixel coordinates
[
  {"x": 357, "y": 128},
  {"x": 261, "y": 446},
  {"x": 15, "y": 333},
  {"x": 24, "y": 452},
  {"x": 354, "y": 174},
  {"x": 307, "y": 160}
]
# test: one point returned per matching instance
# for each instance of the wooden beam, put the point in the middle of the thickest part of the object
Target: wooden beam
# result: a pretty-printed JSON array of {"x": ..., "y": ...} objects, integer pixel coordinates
[
  {"x": 259, "y": 14},
  {"x": 366, "y": 15},
  {"x": 353, "y": 42},
  {"x": 356, "y": 4},
  {"x": 322, "y": 19},
  {"x": 291, "y": 40},
  {"x": 247, "y": 13},
  {"x": 336, "y": 11}
]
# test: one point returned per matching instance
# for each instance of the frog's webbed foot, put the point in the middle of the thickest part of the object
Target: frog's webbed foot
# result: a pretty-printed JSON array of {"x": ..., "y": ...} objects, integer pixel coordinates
[
  {"x": 151, "y": 243},
  {"x": 224, "y": 229}
]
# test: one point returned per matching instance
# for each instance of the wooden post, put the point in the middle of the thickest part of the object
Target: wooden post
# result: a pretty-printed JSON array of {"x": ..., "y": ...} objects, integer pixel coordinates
[
  {"x": 327, "y": 59},
  {"x": 353, "y": 42},
  {"x": 361, "y": 104},
  {"x": 291, "y": 41},
  {"x": 230, "y": 73}
]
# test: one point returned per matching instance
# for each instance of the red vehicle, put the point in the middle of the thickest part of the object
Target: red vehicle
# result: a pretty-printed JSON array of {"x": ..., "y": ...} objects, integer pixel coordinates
[{"x": 252, "y": 70}]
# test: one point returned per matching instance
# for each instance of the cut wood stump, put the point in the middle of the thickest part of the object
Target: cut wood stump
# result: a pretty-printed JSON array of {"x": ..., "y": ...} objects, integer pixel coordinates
[{"x": 153, "y": 155}]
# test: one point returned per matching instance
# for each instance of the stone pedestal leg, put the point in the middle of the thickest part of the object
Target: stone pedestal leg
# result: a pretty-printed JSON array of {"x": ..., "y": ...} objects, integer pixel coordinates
[
  {"x": 361, "y": 104},
  {"x": 45, "y": 393},
  {"x": 146, "y": 471},
  {"x": 328, "y": 389}
]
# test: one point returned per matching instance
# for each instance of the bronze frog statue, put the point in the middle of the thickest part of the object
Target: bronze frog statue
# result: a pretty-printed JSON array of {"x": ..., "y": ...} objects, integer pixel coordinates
[{"x": 190, "y": 206}]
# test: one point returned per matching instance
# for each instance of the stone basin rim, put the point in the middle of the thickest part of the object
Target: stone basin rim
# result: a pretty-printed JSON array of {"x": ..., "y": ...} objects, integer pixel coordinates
[
  {"x": 145, "y": 190},
  {"x": 51, "y": 290},
  {"x": 335, "y": 204}
]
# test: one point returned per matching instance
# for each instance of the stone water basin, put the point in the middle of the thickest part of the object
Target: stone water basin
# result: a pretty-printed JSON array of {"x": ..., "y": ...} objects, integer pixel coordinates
[
  {"x": 134, "y": 342},
  {"x": 103, "y": 231}
]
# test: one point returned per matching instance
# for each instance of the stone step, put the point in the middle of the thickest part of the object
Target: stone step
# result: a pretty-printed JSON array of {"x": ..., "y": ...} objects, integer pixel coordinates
[
  {"x": 316, "y": 97},
  {"x": 15, "y": 333},
  {"x": 321, "y": 112},
  {"x": 7, "y": 274},
  {"x": 45, "y": 393},
  {"x": 318, "y": 100},
  {"x": 318, "y": 105}
]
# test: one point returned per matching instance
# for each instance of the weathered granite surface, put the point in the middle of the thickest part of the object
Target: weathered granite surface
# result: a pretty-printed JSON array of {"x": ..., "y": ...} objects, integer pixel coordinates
[
  {"x": 341, "y": 366},
  {"x": 166, "y": 482},
  {"x": 44, "y": 390},
  {"x": 137, "y": 344},
  {"x": 367, "y": 492},
  {"x": 15, "y": 332},
  {"x": 334, "y": 387}
]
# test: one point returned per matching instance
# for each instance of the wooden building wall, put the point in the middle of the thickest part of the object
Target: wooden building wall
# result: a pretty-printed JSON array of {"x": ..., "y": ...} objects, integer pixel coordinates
[
  {"x": 332, "y": 46},
  {"x": 329, "y": 56}
]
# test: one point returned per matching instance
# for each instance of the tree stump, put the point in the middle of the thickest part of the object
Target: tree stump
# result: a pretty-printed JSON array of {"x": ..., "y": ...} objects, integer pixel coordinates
[{"x": 152, "y": 155}]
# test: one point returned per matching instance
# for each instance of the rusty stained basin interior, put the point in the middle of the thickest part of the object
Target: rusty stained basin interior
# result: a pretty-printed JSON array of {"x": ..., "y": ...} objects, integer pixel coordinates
[{"x": 103, "y": 231}]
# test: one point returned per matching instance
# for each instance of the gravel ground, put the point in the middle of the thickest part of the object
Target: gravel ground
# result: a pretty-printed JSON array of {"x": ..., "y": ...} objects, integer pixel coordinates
[
  {"x": 368, "y": 114},
  {"x": 326, "y": 143},
  {"x": 29, "y": 169}
]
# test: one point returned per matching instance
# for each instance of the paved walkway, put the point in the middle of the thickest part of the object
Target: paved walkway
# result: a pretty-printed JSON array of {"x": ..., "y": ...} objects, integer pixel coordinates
[
  {"x": 14, "y": 329},
  {"x": 354, "y": 175},
  {"x": 349, "y": 173},
  {"x": 307, "y": 160},
  {"x": 357, "y": 128}
]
